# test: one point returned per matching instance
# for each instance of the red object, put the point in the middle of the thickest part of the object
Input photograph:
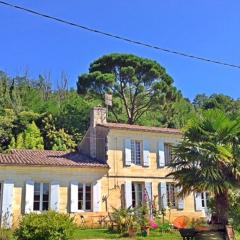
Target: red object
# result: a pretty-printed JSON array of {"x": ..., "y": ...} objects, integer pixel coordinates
[{"x": 181, "y": 222}]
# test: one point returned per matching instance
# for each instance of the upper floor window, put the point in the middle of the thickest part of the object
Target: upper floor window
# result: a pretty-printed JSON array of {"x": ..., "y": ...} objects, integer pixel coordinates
[
  {"x": 84, "y": 197},
  {"x": 136, "y": 152},
  {"x": 41, "y": 197},
  {"x": 171, "y": 195},
  {"x": 204, "y": 199},
  {"x": 168, "y": 153},
  {"x": 137, "y": 194}
]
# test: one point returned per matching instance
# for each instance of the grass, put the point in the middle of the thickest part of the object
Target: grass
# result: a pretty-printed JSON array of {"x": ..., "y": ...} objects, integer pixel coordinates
[{"x": 105, "y": 234}]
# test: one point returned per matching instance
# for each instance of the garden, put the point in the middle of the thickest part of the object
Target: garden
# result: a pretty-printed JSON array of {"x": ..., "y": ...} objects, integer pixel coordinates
[{"x": 125, "y": 224}]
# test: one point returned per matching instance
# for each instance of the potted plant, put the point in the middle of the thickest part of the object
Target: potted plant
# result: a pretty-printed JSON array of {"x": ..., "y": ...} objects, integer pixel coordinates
[
  {"x": 132, "y": 226},
  {"x": 143, "y": 218},
  {"x": 120, "y": 219},
  {"x": 200, "y": 225}
]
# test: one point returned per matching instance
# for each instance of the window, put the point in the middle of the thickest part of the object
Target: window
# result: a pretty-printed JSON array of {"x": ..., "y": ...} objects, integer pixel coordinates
[
  {"x": 204, "y": 199},
  {"x": 136, "y": 152},
  {"x": 41, "y": 197},
  {"x": 84, "y": 197},
  {"x": 137, "y": 194},
  {"x": 168, "y": 153},
  {"x": 171, "y": 195}
]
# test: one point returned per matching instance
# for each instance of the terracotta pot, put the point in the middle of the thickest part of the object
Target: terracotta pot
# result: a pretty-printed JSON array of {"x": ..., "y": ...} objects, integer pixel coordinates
[
  {"x": 202, "y": 228},
  {"x": 132, "y": 232}
]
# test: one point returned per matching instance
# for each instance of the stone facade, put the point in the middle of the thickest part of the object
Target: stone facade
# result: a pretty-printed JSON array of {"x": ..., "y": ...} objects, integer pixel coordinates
[{"x": 111, "y": 186}]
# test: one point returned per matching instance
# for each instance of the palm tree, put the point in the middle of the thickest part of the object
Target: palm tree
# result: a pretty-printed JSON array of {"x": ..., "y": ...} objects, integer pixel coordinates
[{"x": 208, "y": 158}]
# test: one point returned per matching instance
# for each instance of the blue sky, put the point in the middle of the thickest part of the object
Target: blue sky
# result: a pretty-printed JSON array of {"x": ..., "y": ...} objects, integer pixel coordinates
[{"x": 205, "y": 28}]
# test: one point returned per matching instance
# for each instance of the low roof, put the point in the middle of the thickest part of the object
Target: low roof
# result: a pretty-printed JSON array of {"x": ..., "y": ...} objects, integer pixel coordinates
[
  {"x": 23, "y": 157},
  {"x": 123, "y": 126}
]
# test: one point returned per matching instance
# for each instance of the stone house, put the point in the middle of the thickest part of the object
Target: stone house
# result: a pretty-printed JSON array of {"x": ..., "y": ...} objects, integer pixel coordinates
[{"x": 116, "y": 165}]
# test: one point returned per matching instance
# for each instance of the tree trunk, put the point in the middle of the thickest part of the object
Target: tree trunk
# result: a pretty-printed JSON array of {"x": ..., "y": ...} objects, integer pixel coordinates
[{"x": 222, "y": 207}]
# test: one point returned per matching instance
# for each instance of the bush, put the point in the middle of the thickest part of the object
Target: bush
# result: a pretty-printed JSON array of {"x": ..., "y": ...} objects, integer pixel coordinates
[
  {"x": 234, "y": 210},
  {"x": 46, "y": 226},
  {"x": 6, "y": 234},
  {"x": 165, "y": 227},
  {"x": 123, "y": 219}
]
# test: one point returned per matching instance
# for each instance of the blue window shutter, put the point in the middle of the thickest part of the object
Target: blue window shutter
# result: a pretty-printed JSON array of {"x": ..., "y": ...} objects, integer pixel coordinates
[
  {"x": 54, "y": 196},
  {"x": 127, "y": 145},
  {"x": 161, "y": 154},
  {"x": 29, "y": 192},
  {"x": 180, "y": 201},
  {"x": 198, "y": 202},
  {"x": 128, "y": 194},
  {"x": 97, "y": 199},
  {"x": 146, "y": 153},
  {"x": 163, "y": 195},
  {"x": 74, "y": 197},
  {"x": 7, "y": 204}
]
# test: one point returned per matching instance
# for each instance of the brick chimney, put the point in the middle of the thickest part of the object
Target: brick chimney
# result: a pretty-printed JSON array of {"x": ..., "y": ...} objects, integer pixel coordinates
[{"x": 98, "y": 115}]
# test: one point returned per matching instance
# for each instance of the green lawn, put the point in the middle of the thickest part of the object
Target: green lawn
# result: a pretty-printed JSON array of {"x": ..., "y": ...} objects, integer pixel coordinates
[{"x": 105, "y": 234}]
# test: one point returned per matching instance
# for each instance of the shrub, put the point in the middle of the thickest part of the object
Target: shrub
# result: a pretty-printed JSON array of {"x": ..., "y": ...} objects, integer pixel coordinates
[
  {"x": 124, "y": 219},
  {"x": 46, "y": 226},
  {"x": 142, "y": 215},
  {"x": 165, "y": 227},
  {"x": 234, "y": 209},
  {"x": 6, "y": 234}
]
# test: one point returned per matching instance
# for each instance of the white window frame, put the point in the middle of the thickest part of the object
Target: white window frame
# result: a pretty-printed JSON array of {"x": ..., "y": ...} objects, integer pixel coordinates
[
  {"x": 134, "y": 153},
  {"x": 84, "y": 198},
  {"x": 170, "y": 184},
  {"x": 168, "y": 153},
  {"x": 41, "y": 196},
  {"x": 136, "y": 185}
]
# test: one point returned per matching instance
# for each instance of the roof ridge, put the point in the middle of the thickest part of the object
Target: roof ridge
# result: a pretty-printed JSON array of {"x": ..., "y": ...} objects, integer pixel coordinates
[{"x": 140, "y": 127}]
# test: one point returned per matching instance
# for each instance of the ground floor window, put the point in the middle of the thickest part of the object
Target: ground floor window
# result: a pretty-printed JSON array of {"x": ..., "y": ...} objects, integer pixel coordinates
[
  {"x": 171, "y": 195},
  {"x": 137, "y": 194},
  {"x": 41, "y": 197},
  {"x": 84, "y": 197}
]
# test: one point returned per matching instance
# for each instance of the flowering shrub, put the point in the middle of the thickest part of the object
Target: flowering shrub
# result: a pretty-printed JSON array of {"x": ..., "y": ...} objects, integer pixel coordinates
[{"x": 153, "y": 224}]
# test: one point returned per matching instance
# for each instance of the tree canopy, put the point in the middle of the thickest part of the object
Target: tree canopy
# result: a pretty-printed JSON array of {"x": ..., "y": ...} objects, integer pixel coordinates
[
  {"x": 138, "y": 85},
  {"x": 30, "y": 139}
]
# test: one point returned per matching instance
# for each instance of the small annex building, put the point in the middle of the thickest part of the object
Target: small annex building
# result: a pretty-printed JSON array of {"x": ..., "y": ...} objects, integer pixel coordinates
[{"x": 116, "y": 165}]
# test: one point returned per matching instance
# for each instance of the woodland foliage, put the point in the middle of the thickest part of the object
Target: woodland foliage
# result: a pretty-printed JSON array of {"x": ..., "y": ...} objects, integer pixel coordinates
[{"x": 143, "y": 93}]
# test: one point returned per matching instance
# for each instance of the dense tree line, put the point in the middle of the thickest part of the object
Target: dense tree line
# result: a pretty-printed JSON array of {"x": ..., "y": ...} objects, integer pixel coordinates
[{"x": 33, "y": 114}]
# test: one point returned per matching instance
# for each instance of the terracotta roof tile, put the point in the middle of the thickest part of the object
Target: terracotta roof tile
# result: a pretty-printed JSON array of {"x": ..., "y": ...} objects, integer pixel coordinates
[
  {"x": 48, "y": 158},
  {"x": 122, "y": 126}
]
